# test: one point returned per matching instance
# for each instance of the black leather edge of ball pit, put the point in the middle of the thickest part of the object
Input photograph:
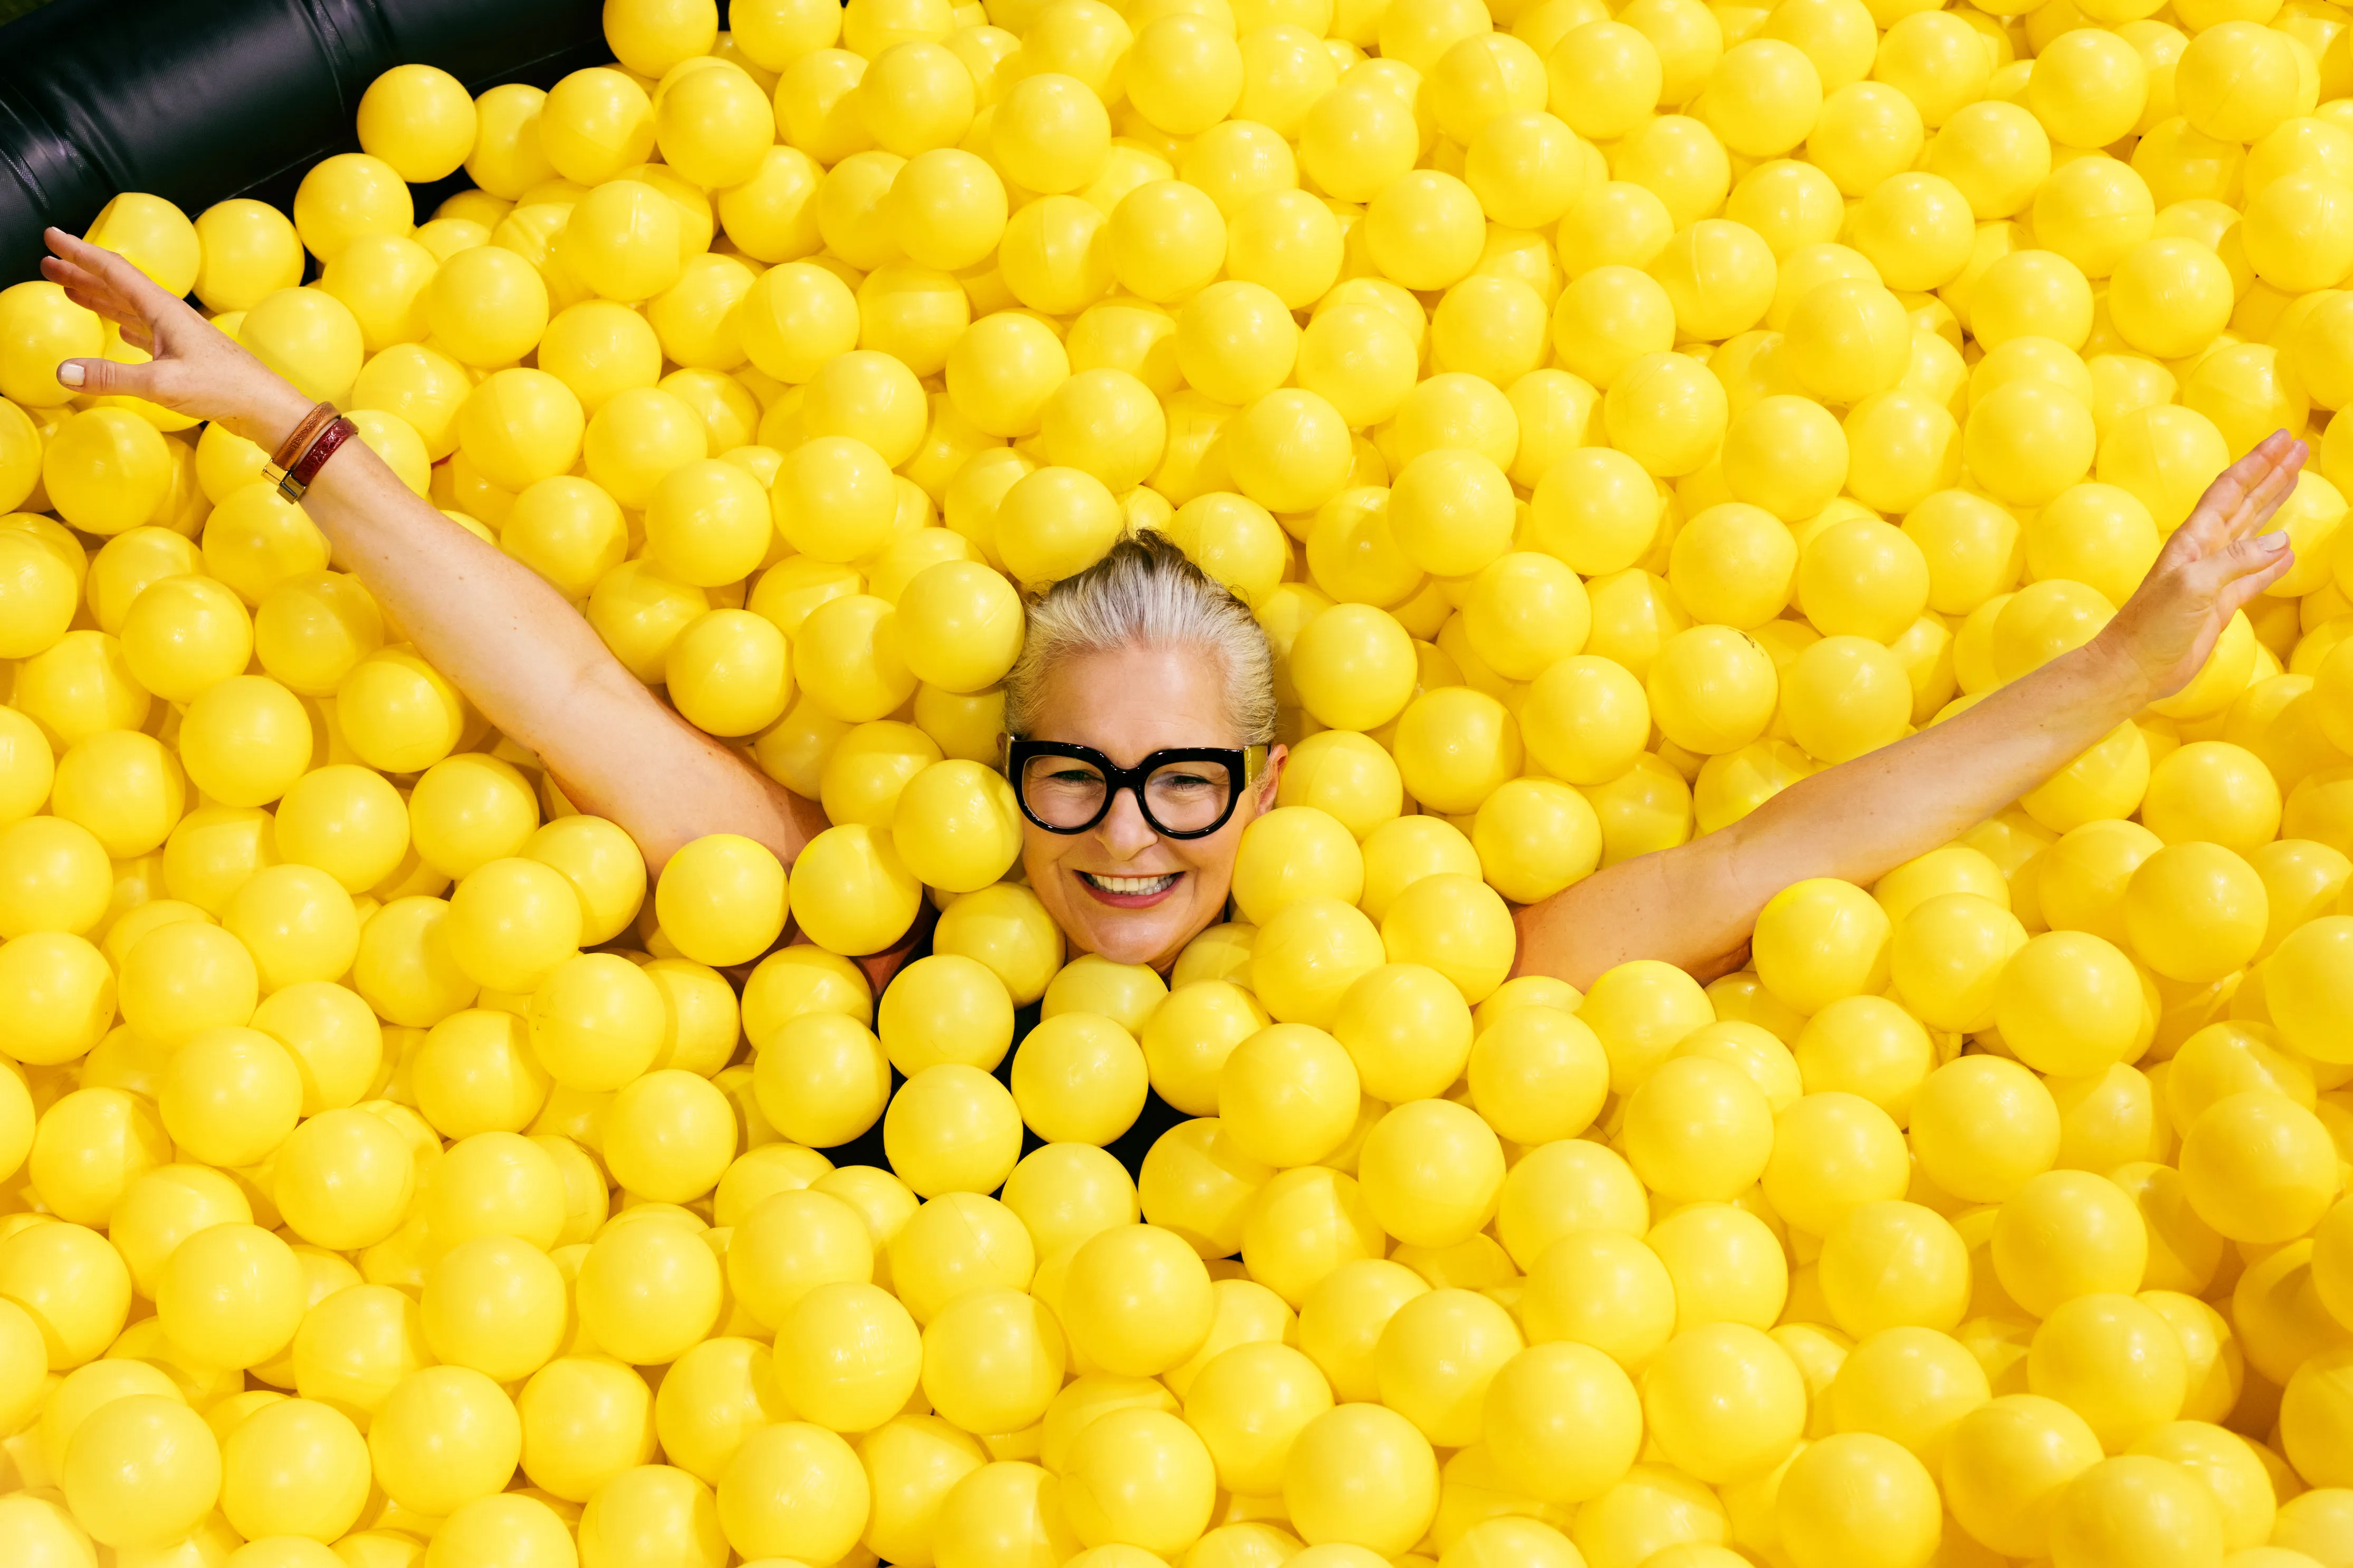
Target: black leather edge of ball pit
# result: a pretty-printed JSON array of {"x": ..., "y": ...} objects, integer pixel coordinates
[{"x": 199, "y": 100}]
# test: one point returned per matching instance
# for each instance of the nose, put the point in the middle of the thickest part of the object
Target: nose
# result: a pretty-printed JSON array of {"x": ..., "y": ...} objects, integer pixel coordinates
[{"x": 1123, "y": 830}]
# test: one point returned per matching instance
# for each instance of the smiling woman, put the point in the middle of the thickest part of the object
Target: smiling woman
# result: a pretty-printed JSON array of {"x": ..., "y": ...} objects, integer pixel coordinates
[
  {"x": 1141, "y": 715},
  {"x": 1141, "y": 722}
]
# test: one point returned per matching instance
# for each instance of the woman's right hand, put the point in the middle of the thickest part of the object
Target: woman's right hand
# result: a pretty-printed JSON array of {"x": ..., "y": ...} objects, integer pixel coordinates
[
  {"x": 194, "y": 370},
  {"x": 2210, "y": 567}
]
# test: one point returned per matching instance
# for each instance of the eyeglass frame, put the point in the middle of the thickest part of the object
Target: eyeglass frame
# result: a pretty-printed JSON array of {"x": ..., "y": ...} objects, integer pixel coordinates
[{"x": 1242, "y": 765}]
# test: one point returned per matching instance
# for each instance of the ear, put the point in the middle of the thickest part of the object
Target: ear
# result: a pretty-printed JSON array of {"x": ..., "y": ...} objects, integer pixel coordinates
[{"x": 1270, "y": 780}]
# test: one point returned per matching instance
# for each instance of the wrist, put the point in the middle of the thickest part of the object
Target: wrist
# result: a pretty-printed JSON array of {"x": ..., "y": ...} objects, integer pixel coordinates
[
  {"x": 271, "y": 416},
  {"x": 2118, "y": 672}
]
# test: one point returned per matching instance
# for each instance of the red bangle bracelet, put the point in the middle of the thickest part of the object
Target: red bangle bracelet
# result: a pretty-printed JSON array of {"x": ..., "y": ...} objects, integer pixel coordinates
[
  {"x": 298, "y": 440},
  {"x": 305, "y": 471}
]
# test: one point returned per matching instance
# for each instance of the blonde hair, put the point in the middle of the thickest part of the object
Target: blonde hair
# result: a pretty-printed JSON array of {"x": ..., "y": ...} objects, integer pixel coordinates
[{"x": 1146, "y": 594}]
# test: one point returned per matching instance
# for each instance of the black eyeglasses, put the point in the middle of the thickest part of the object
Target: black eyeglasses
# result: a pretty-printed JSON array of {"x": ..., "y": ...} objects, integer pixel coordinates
[{"x": 1186, "y": 792}]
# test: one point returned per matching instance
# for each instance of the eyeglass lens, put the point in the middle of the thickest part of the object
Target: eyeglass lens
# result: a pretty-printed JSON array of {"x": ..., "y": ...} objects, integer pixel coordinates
[{"x": 1179, "y": 797}]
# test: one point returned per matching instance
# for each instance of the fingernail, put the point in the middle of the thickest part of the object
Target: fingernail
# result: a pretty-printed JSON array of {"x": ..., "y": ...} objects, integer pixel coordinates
[
  {"x": 69, "y": 373},
  {"x": 2277, "y": 541}
]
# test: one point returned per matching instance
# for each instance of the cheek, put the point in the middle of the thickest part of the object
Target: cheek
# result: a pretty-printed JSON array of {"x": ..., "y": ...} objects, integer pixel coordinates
[
  {"x": 1213, "y": 858},
  {"x": 1039, "y": 853}
]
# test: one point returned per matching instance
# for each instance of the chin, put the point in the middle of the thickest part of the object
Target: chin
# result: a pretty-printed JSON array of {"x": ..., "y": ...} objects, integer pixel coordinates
[{"x": 1148, "y": 942}]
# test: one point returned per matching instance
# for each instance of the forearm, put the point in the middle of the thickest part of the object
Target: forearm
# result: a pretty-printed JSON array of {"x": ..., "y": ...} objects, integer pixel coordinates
[
  {"x": 484, "y": 620},
  {"x": 540, "y": 673},
  {"x": 1694, "y": 906},
  {"x": 1858, "y": 820}
]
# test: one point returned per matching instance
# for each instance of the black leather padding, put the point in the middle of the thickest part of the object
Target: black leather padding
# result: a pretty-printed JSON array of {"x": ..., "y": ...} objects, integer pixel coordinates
[{"x": 198, "y": 100}]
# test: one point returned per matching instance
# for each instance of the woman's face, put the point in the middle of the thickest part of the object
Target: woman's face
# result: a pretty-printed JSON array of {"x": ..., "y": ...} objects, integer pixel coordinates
[{"x": 1119, "y": 889}]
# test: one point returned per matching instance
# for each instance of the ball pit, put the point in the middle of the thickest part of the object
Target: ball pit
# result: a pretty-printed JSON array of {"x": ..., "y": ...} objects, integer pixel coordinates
[{"x": 1612, "y": 418}]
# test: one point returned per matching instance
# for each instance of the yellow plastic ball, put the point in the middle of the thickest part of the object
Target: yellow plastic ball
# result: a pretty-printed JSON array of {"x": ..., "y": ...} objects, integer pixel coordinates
[
  {"x": 729, "y": 672},
  {"x": 1432, "y": 1172},
  {"x": 2112, "y": 1360},
  {"x": 594, "y": 125},
  {"x": 2253, "y": 1168},
  {"x": 648, "y": 1292},
  {"x": 44, "y": 328},
  {"x": 2069, "y": 1003},
  {"x": 721, "y": 900},
  {"x": 1697, "y": 1130},
  {"x": 488, "y": 306},
  {"x": 851, "y": 892},
  {"x": 2093, "y": 210},
  {"x": 1289, "y": 1093},
  {"x": 2006, "y": 1462},
  {"x": 106, "y": 470},
  {"x": 1050, "y": 133},
  {"x": 141, "y": 1471},
  {"x": 2135, "y": 1508},
  {"x": 514, "y": 923},
  {"x": 1456, "y": 746},
  {"x": 992, "y": 1357},
  {"x": 496, "y": 1305},
  {"x": 668, "y": 1136},
  {"x": 1563, "y": 1421},
  {"x": 344, "y": 1179},
  {"x": 1725, "y": 1402},
  {"x": 231, "y": 1296},
  {"x": 179, "y": 980},
  {"x": 73, "y": 1286},
  {"x": 953, "y": 1128},
  {"x": 963, "y": 625},
  {"x": 2236, "y": 81},
  {"x": 1857, "y": 1498},
  {"x": 1079, "y": 1078},
  {"x": 714, "y": 127},
  {"x": 419, "y": 119},
  {"x": 249, "y": 251},
  {"x": 519, "y": 426},
  {"x": 1436, "y": 1357},
  {"x": 596, "y": 1022},
  {"x": 2066, "y": 1234},
  {"x": 347, "y": 195},
  {"x": 1536, "y": 1074},
  {"x": 1666, "y": 412},
  {"x": 1142, "y": 1479},
  {"x": 1054, "y": 523},
  {"x": 1361, "y": 1474},
  {"x": 1231, "y": 538},
  {"x": 229, "y": 1096},
  {"x": 1136, "y": 1298}
]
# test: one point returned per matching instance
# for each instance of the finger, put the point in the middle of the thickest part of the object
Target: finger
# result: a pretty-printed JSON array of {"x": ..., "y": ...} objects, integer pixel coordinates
[
  {"x": 2236, "y": 596},
  {"x": 2250, "y": 556},
  {"x": 106, "y": 377},
  {"x": 2207, "y": 521},
  {"x": 2230, "y": 487},
  {"x": 79, "y": 282},
  {"x": 2264, "y": 498},
  {"x": 138, "y": 291}
]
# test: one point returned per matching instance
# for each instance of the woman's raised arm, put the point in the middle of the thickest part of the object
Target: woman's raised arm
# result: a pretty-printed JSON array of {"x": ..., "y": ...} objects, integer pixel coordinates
[
  {"x": 1694, "y": 906},
  {"x": 506, "y": 639}
]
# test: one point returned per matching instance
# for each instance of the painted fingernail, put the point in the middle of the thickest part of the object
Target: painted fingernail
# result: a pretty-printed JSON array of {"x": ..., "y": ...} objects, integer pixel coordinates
[
  {"x": 2274, "y": 540},
  {"x": 69, "y": 373}
]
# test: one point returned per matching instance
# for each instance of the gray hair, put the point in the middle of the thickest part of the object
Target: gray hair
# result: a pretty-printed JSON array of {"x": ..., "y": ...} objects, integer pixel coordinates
[{"x": 1146, "y": 593}]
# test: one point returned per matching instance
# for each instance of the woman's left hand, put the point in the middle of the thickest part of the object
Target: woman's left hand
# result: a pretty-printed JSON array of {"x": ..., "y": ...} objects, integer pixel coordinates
[
  {"x": 195, "y": 369},
  {"x": 2211, "y": 566}
]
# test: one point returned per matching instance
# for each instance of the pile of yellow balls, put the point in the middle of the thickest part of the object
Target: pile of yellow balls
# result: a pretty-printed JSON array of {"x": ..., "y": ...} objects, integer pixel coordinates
[{"x": 1612, "y": 417}]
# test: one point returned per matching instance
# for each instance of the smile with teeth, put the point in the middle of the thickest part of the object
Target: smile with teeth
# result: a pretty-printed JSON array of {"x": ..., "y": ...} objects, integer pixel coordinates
[{"x": 1131, "y": 884}]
